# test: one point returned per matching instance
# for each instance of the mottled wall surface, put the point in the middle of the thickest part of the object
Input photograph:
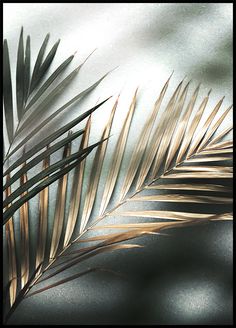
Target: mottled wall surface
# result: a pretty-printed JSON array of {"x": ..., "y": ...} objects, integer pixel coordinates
[{"x": 183, "y": 278}]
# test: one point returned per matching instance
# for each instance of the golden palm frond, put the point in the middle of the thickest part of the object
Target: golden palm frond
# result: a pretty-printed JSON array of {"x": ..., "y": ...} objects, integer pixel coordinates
[{"x": 171, "y": 162}]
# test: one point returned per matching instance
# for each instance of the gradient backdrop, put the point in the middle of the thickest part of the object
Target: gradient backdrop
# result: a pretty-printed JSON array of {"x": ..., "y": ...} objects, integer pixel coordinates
[{"x": 183, "y": 278}]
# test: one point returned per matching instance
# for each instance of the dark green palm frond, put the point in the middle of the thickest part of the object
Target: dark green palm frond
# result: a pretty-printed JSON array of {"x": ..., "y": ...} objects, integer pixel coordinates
[
  {"x": 57, "y": 112},
  {"x": 171, "y": 163},
  {"x": 76, "y": 158},
  {"x": 20, "y": 69},
  {"x": 38, "y": 62},
  {"x": 28, "y": 96},
  {"x": 28, "y": 93},
  {"x": 33, "y": 100},
  {"x": 7, "y": 91}
]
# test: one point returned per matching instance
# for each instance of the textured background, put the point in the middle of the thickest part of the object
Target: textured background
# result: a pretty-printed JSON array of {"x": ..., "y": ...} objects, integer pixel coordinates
[{"x": 185, "y": 278}]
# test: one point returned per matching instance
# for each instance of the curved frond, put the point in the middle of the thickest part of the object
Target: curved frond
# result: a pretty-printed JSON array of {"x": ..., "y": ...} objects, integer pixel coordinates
[{"x": 169, "y": 159}]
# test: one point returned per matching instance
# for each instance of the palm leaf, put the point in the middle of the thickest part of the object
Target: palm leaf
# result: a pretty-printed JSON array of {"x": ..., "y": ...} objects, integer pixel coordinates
[
  {"x": 20, "y": 69},
  {"x": 198, "y": 186},
  {"x": 166, "y": 164},
  {"x": 142, "y": 143},
  {"x": 205, "y": 127},
  {"x": 117, "y": 157},
  {"x": 150, "y": 152},
  {"x": 179, "y": 132},
  {"x": 12, "y": 264},
  {"x": 168, "y": 134},
  {"x": 76, "y": 188},
  {"x": 212, "y": 130},
  {"x": 59, "y": 209},
  {"x": 38, "y": 62},
  {"x": 95, "y": 173},
  {"x": 7, "y": 92},
  {"x": 45, "y": 65},
  {"x": 220, "y": 136},
  {"x": 57, "y": 112},
  {"x": 52, "y": 178},
  {"x": 208, "y": 159},
  {"x": 25, "y": 85},
  {"x": 171, "y": 218},
  {"x": 27, "y": 70},
  {"x": 24, "y": 232},
  {"x": 34, "y": 114},
  {"x": 43, "y": 223},
  {"x": 189, "y": 132},
  {"x": 49, "y": 81},
  {"x": 41, "y": 156}
]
